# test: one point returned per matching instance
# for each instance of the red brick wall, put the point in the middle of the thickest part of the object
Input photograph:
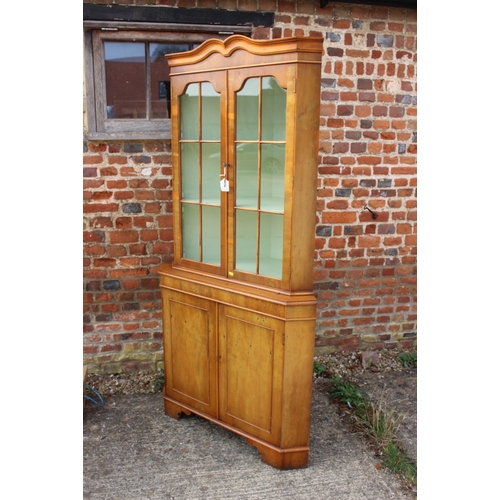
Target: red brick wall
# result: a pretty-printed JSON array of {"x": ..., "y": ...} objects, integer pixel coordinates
[
  {"x": 127, "y": 234},
  {"x": 365, "y": 269}
]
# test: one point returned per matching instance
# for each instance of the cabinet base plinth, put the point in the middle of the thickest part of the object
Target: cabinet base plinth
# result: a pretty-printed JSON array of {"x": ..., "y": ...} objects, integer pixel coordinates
[
  {"x": 282, "y": 459},
  {"x": 173, "y": 409}
]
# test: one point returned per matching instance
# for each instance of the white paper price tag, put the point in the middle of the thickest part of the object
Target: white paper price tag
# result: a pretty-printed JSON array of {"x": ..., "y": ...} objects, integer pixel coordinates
[{"x": 224, "y": 185}]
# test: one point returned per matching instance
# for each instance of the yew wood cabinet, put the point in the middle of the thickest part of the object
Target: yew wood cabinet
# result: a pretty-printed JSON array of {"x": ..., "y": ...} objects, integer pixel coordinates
[{"x": 238, "y": 308}]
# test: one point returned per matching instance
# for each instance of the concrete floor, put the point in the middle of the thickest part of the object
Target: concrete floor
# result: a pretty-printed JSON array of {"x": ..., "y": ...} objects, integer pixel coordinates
[{"x": 133, "y": 451}]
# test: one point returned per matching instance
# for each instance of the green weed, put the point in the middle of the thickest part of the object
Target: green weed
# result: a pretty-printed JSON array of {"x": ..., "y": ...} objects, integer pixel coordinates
[
  {"x": 159, "y": 381},
  {"x": 408, "y": 359},
  {"x": 319, "y": 368},
  {"x": 347, "y": 393},
  {"x": 377, "y": 422},
  {"x": 398, "y": 462}
]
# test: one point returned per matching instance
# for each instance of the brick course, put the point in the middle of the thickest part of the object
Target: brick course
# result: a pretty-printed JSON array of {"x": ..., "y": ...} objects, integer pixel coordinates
[{"x": 365, "y": 268}]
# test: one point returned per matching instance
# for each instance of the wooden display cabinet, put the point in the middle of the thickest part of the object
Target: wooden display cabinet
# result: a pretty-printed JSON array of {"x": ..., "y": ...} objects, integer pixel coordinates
[{"x": 238, "y": 308}]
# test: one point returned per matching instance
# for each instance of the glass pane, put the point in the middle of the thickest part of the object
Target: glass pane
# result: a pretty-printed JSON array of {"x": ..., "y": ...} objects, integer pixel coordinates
[
  {"x": 247, "y": 111},
  {"x": 189, "y": 171},
  {"x": 247, "y": 171},
  {"x": 272, "y": 177},
  {"x": 189, "y": 113},
  {"x": 125, "y": 68},
  {"x": 210, "y": 113},
  {"x": 211, "y": 235},
  {"x": 273, "y": 110},
  {"x": 210, "y": 176},
  {"x": 246, "y": 241},
  {"x": 160, "y": 79},
  {"x": 271, "y": 245},
  {"x": 190, "y": 231}
]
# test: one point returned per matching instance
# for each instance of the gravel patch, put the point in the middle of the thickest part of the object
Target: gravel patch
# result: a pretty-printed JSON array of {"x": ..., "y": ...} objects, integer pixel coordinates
[
  {"x": 136, "y": 382},
  {"x": 350, "y": 365}
]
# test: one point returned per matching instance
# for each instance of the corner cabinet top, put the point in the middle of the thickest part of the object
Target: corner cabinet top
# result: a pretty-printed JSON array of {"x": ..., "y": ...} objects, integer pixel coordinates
[
  {"x": 245, "y": 132},
  {"x": 215, "y": 54}
]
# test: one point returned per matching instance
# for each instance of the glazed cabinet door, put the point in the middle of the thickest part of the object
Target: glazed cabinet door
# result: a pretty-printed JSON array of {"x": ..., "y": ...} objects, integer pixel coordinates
[
  {"x": 251, "y": 372},
  {"x": 199, "y": 204},
  {"x": 258, "y": 151},
  {"x": 190, "y": 343}
]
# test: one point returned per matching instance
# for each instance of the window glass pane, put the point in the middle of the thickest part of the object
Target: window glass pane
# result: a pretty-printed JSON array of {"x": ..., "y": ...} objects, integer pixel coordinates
[
  {"x": 190, "y": 231},
  {"x": 272, "y": 190},
  {"x": 247, "y": 111},
  {"x": 246, "y": 241},
  {"x": 247, "y": 171},
  {"x": 125, "y": 69},
  {"x": 211, "y": 235},
  {"x": 210, "y": 112},
  {"x": 273, "y": 110},
  {"x": 271, "y": 245},
  {"x": 210, "y": 176},
  {"x": 189, "y": 113},
  {"x": 189, "y": 171},
  {"x": 160, "y": 79}
]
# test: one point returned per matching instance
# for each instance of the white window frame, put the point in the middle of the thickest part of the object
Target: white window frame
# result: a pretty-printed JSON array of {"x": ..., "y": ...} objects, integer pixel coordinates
[{"x": 97, "y": 126}]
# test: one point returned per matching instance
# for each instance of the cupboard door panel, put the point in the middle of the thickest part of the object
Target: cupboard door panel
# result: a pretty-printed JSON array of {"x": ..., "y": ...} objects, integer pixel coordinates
[
  {"x": 191, "y": 364},
  {"x": 251, "y": 371}
]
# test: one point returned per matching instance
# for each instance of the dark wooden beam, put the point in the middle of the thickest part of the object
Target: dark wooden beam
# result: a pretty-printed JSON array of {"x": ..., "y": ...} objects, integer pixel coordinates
[{"x": 171, "y": 15}]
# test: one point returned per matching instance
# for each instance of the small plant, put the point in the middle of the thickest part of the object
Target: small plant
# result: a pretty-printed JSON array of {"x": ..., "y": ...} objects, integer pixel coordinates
[
  {"x": 159, "y": 381},
  {"x": 408, "y": 359},
  {"x": 377, "y": 422},
  {"x": 398, "y": 461},
  {"x": 319, "y": 368},
  {"x": 347, "y": 393}
]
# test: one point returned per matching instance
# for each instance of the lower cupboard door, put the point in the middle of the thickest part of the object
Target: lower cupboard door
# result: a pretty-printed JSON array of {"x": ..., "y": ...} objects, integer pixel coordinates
[
  {"x": 190, "y": 350},
  {"x": 251, "y": 372}
]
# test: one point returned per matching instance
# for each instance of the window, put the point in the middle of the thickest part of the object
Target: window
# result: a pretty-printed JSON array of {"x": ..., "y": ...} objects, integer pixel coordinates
[{"x": 127, "y": 81}]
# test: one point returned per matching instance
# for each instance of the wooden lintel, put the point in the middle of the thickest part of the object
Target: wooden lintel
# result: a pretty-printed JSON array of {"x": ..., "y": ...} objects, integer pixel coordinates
[{"x": 153, "y": 14}]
